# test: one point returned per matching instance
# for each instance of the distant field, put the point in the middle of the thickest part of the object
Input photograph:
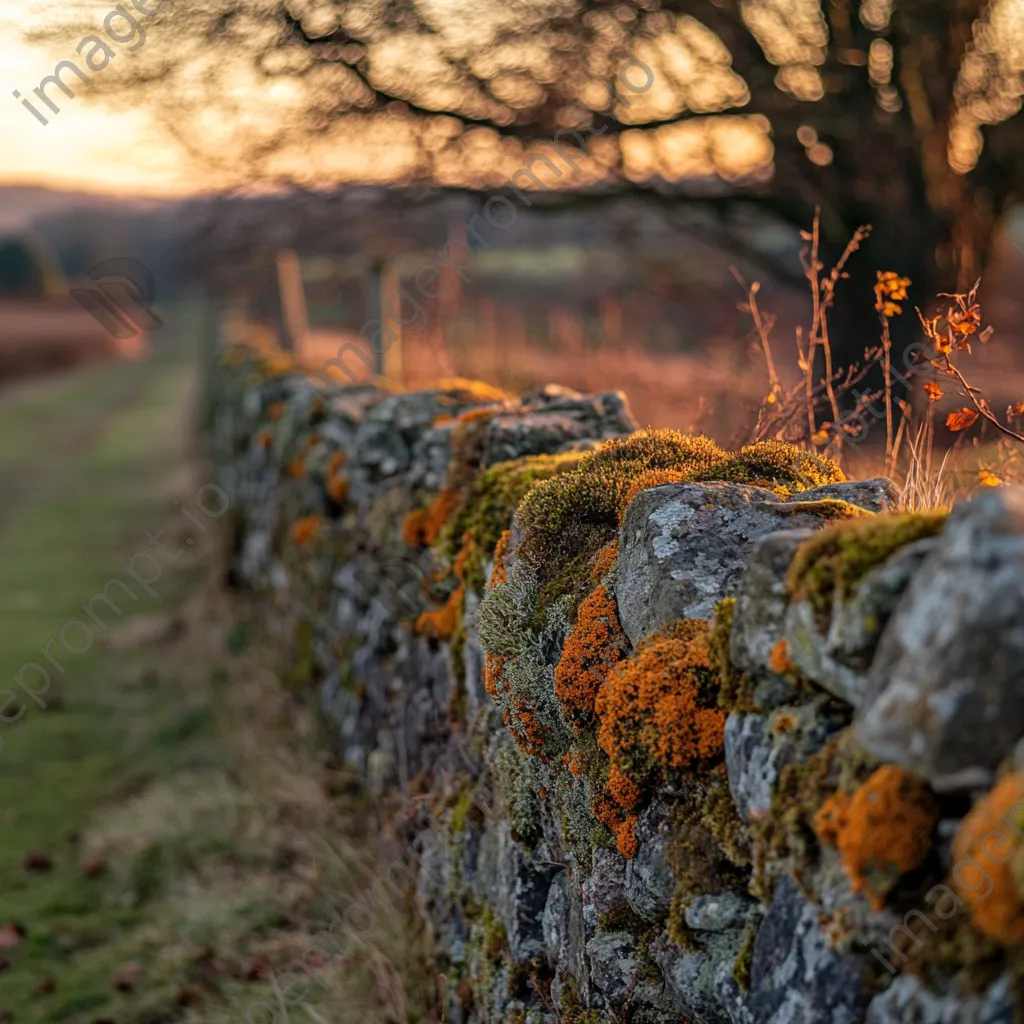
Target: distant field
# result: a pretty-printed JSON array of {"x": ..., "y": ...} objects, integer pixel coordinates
[{"x": 37, "y": 338}]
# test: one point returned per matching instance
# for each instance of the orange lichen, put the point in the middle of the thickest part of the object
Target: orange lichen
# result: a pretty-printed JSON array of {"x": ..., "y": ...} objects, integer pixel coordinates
[
  {"x": 443, "y": 622},
  {"x": 656, "y": 711},
  {"x": 475, "y": 390},
  {"x": 306, "y": 530},
  {"x": 883, "y": 831},
  {"x": 605, "y": 560},
  {"x": 422, "y": 526},
  {"x": 336, "y": 481},
  {"x": 595, "y": 644},
  {"x": 778, "y": 659},
  {"x": 275, "y": 410},
  {"x": 988, "y": 836},
  {"x": 264, "y": 439},
  {"x": 621, "y": 825},
  {"x": 499, "y": 574},
  {"x": 296, "y": 468},
  {"x": 494, "y": 667}
]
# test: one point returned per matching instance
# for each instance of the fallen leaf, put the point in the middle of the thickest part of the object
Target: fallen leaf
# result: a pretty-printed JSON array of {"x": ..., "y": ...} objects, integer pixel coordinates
[
  {"x": 962, "y": 419},
  {"x": 11, "y": 935},
  {"x": 93, "y": 867},
  {"x": 38, "y": 862}
]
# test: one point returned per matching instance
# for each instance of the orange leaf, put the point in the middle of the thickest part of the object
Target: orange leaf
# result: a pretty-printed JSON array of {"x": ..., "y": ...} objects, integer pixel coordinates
[
  {"x": 962, "y": 419},
  {"x": 933, "y": 391},
  {"x": 987, "y": 479},
  {"x": 1015, "y": 410}
]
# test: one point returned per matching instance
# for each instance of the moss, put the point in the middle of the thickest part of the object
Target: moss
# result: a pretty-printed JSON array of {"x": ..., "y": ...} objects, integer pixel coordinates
[
  {"x": 495, "y": 945},
  {"x": 486, "y": 509},
  {"x": 826, "y": 508},
  {"x": 519, "y": 790},
  {"x": 741, "y": 968},
  {"x": 777, "y": 466},
  {"x": 622, "y": 918},
  {"x": 883, "y": 831},
  {"x": 735, "y": 688},
  {"x": 465, "y": 812},
  {"x": 835, "y": 560}
]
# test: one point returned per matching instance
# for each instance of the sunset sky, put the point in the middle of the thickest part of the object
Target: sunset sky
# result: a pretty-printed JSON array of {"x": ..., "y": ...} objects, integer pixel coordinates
[{"x": 87, "y": 145}]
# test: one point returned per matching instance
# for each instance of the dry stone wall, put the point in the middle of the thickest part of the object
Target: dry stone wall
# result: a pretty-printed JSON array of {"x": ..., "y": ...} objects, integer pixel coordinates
[{"x": 669, "y": 733}]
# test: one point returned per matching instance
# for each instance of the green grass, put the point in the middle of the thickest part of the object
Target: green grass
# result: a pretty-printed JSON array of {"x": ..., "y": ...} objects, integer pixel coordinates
[{"x": 177, "y": 764}]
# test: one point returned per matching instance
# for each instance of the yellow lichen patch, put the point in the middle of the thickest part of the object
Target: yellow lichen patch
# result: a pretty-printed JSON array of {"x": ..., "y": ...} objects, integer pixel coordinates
[
  {"x": 883, "y": 831},
  {"x": 988, "y": 860},
  {"x": 336, "y": 482},
  {"x": 656, "y": 711},
  {"x": 306, "y": 530},
  {"x": 825, "y": 508},
  {"x": 595, "y": 644},
  {"x": 835, "y": 560}
]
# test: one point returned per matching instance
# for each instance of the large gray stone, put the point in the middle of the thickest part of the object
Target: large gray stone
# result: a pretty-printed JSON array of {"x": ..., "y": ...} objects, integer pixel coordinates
[
  {"x": 649, "y": 880},
  {"x": 945, "y": 685},
  {"x": 794, "y": 977},
  {"x": 684, "y": 547}
]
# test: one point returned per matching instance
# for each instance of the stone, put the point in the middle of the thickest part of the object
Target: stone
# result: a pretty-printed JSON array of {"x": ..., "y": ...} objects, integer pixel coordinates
[
  {"x": 614, "y": 966},
  {"x": 649, "y": 881},
  {"x": 758, "y": 747},
  {"x": 761, "y": 602},
  {"x": 699, "y": 983},
  {"x": 878, "y": 494},
  {"x": 808, "y": 649},
  {"x": 604, "y": 889},
  {"x": 907, "y": 1001},
  {"x": 721, "y": 912},
  {"x": 944, "y": 693},
  {"x": 794, "y": 977},
  {"x": 683, "y": 547},
  {"x": 856, "y": 624}
]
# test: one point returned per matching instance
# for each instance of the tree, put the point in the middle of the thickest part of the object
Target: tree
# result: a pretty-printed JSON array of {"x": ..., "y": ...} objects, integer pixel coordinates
[{"x": 902, "y": 113}]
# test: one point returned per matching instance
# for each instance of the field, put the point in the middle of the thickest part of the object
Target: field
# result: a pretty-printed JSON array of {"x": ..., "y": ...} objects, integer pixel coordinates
[{"x": 164, "y": 846}]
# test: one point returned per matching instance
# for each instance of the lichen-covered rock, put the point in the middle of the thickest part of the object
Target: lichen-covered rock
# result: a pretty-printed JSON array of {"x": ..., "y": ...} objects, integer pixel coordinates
[
  {"x": 649, "y": 880},
  {"x": 794, "y": 977},
  {"x": 684, "y": 547},
  {"x": 762, "y": 598},
  {"x": 907, "y": 1001},
  {"x": 808, "y": 649},
  {"x": 721, "y": 912},
  {"x": 878, "y": 494},
  {"x": 758, "y": 747},
  {"x": 944, "y": 694}
]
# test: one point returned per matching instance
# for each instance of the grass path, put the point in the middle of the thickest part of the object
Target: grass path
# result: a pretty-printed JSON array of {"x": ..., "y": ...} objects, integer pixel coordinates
[{"x": 169, "y": 837}]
